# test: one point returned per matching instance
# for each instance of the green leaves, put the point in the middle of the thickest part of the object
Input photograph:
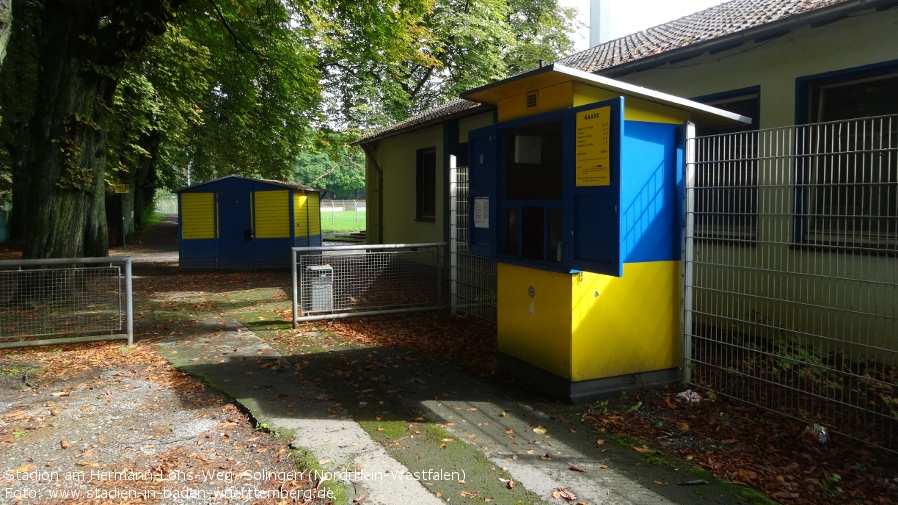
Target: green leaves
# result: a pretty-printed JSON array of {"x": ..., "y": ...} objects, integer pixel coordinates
[{"x": 454, "y": 46}]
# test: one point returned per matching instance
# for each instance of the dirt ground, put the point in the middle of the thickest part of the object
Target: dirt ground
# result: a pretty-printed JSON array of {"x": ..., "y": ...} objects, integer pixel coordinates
[{"x": 105, "y": 423}]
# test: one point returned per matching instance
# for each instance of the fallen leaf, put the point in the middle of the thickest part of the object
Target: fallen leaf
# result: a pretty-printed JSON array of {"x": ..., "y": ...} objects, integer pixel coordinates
[
  {"x": 642, "y": 449},
  {"x": 577, "y": 469},
  {"x": 64, "y": 444},
  {"x": 564, "y": 493},
  {"x": 539, "y": 430}
]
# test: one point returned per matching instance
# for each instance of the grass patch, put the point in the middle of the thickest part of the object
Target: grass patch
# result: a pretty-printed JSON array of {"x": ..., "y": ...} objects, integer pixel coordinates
[
  {"x": 18, "y": 371},
  {"x": 305, "y": 462}
]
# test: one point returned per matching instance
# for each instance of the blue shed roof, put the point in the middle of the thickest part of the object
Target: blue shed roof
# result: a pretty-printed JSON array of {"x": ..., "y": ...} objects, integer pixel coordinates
[{"x": 241, "y": 183}]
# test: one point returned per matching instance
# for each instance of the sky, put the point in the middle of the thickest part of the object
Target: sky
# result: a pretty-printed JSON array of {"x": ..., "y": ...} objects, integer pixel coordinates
[{"x": 631, "y": 16}]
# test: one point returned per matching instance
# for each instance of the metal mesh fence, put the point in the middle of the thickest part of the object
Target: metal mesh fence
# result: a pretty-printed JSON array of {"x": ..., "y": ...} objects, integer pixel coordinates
[
  {"x": 792, "y": 274},
  {"x": 362, "y": 280},
  {"x": 473, "y": 276},
  {"x": 50, "y": 299}
]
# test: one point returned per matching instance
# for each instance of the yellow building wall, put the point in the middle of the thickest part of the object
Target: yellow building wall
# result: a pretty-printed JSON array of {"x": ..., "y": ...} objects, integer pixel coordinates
[
  {"x": 575, "y": 94},
  {"x": 272, "y": 214},
  {"x": 398, "y": 158},
  {"x": 306, "y": 214},
  {"x": 197, "y": 215},
  {"x": 635, "y": 109},
  {"x": 549, "y": 98}
]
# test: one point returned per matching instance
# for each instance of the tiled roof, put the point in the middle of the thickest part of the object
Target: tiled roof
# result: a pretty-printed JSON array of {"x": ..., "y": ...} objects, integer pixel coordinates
[
  {"x": 719, "y": 21},
  {"x": 668, "y": 40},
  {"x": 458, "y": 106}
]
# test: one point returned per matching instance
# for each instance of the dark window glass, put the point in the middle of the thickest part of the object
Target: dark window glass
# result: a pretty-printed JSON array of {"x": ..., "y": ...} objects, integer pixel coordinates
[{"x": 426, "y": 177}]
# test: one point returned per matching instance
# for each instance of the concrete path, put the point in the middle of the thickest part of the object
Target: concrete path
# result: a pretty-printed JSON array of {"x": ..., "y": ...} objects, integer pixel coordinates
[{"x": 541, "y": 452}]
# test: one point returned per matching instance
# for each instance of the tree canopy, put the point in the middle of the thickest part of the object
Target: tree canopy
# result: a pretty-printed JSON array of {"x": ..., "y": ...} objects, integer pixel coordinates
[{"x": 144, "y": 92}]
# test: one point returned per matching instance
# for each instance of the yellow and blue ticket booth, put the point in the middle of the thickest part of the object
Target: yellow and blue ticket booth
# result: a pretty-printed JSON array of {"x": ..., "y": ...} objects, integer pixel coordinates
[
  {"x": 577, "y": 192},
  {"x": 239, "y": 223}
]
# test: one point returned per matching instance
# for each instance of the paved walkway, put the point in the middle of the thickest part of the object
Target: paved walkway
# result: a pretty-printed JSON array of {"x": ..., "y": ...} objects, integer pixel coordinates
[{"x": 493, "y": 419}]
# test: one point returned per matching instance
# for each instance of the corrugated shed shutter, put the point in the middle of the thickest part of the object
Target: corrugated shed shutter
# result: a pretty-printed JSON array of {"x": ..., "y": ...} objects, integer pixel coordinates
[
  {"x": 307, "y": 208},
  {"x": 197, "y": 215},
  {"x": 272, "y": 213}
]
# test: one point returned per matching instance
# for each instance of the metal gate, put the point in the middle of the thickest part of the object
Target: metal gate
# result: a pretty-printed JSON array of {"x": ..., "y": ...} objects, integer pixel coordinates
[
  {"x": 56, "y": 301},
  {"x": 791, "y": 272},
  {"x": 473, "y": 284},
  {"x": 340, "y": 281}
]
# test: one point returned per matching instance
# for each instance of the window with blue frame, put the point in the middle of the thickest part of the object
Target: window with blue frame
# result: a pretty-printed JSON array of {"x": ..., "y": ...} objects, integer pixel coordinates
[
  {"x": 532, "y": 183},
  {"x": 726, "y": 175},
  {"x": 847, "y": 176},
  {"x": 545, "y": 191}
]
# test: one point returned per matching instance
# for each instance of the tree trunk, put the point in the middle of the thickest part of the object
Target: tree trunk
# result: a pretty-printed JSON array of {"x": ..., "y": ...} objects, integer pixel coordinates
[
  {"x": 143, "y": 181},
  {"x": 66, "y": 215}
]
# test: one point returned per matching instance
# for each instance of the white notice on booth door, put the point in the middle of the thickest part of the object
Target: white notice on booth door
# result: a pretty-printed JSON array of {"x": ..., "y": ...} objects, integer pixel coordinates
[{"x": 481, "y": 212}]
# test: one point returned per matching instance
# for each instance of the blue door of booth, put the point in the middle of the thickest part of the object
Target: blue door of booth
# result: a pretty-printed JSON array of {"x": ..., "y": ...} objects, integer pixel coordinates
[{"x": 236, "y": 242}]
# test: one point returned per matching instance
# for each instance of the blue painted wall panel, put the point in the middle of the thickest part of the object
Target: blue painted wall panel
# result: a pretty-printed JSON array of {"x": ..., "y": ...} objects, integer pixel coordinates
[
  {"x": 650, "y": 198},
  {"x": 198, "y": 254}
]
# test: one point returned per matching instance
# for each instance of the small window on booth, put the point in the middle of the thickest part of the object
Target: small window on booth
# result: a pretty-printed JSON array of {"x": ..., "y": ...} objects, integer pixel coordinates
[
  {"x": 533, "y": 167},
  {"x": 425, "y": 184},
  {"x": 533, "y": 186}
]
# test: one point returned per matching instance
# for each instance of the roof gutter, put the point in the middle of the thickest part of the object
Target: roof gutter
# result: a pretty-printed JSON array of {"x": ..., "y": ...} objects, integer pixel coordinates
[{"x": 761, "y": 33}]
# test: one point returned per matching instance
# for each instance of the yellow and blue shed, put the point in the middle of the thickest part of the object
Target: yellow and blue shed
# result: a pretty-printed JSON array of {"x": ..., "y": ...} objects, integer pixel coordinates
[
  {"x": 577, "y": 193},
  {"x": 239, "y": 223}
]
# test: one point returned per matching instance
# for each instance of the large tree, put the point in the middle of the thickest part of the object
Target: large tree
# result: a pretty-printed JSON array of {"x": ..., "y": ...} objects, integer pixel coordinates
[
  {"x": 83, "y": 49},
  {"x": 5, "y": 26}
]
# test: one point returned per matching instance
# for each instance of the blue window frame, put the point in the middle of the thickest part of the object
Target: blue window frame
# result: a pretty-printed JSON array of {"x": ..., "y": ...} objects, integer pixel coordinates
[
  {"x": 847, "y": 176},
  {"x": 532, "y": 203}
]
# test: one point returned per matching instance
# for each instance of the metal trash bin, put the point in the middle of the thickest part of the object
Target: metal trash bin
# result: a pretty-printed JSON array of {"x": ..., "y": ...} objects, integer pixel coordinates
[{"x": 320, "y": 282}]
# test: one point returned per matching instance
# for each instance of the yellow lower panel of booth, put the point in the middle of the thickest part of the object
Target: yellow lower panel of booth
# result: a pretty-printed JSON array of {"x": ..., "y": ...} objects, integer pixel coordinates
[
  {"x": 535, "y": 329},
  {"x": 625, "y": 325},
  {"x": 585, "y": 326}
]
